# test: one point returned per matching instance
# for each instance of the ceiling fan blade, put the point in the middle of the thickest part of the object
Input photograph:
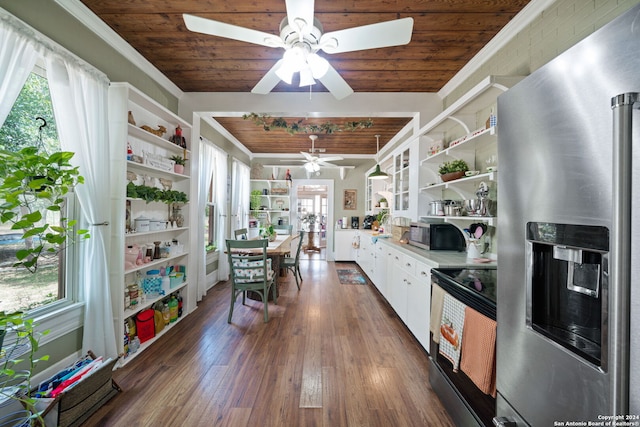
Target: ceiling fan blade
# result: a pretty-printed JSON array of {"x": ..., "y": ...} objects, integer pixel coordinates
[
  {"x": 329, "y": 158},
  {"x": 373, "y": 36},
  {"x": 309, "y": 157},
  {"x": 327, "y": 165},
  {"x": 268, "y": 81},
  {"x": 301, "y": 9},
  {"x": 221, "y": 29},
  {"x": 334, "y": 82}
]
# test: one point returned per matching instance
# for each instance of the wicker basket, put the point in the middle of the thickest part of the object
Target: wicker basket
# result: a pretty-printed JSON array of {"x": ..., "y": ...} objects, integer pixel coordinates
[
  {"x": 76, "y": 405},
  {"x": 397, "y": 231}
]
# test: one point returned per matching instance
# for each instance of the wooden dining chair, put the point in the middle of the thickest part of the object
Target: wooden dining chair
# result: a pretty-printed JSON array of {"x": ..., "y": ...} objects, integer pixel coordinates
[
  {"x": 250, "y": 271},
  {"x": 293, "y": 263},
  {"x": 240, "y": 234}
]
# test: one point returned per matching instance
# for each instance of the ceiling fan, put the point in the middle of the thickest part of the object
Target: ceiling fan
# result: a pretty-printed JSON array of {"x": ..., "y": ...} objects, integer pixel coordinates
[
  {"x": 302, "y": 37},
  {"x": 313, "y": 163}
]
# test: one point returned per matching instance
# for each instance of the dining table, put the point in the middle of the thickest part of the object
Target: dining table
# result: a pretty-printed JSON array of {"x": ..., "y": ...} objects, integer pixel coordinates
[{"x": 276, "y": 249}]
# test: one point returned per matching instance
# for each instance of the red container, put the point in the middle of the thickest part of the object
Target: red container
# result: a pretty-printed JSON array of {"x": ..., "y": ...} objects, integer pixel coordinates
[{"x": 145, "y": 325}]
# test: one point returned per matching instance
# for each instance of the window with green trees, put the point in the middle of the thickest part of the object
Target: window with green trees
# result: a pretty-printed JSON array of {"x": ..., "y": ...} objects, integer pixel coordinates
[{"x": 31, "y": 122}]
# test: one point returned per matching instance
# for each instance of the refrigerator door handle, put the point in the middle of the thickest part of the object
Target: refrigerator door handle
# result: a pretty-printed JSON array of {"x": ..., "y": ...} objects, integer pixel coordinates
[{"x": 620, "y": 259}]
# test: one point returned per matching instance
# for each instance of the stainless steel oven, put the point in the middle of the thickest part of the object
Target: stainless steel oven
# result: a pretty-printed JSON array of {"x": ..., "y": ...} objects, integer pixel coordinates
[{"x": 465, "y": 402}]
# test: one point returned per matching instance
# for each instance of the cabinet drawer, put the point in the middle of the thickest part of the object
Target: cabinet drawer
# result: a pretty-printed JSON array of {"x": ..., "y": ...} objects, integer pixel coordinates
[
  {"x": 423, "y": 271},
  {"x": 408, "y": 264}
]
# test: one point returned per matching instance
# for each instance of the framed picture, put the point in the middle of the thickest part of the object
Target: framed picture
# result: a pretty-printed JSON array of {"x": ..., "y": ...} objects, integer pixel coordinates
[{"x": 350, "y": 201}]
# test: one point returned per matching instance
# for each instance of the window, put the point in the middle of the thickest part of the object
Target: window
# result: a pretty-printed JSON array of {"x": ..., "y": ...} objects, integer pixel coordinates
[
  {"x": 31, "y": 123},
  {"x": 210, "y": 227}
]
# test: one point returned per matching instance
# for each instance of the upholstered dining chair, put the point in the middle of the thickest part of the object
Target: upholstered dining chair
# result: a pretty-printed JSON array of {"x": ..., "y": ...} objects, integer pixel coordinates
[
  {"x": 240, "y": 233},
  {"x": 250, "y": 271},
  {"x": 293, "y": 263}
]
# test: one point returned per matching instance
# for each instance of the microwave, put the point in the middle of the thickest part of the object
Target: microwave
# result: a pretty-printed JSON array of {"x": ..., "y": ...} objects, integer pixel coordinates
[{"x": 436, "y": 237}]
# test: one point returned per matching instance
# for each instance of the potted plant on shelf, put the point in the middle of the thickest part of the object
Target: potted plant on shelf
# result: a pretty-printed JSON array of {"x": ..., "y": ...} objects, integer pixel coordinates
[
  {"x": 180, "y": 161},
  {"x": 383, "y": 203},
  {"x": 255, "y": 200},
  {"x": 33, "y": 191},
  {"x": 454, "y": 169}
]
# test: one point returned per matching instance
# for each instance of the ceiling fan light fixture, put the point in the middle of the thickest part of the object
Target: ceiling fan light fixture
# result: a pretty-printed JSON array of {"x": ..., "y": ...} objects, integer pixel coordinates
[
  {"x": 312, "y": 167},
  {"x": 306, "y": 77},
  {"x": 319, "y": 66}
]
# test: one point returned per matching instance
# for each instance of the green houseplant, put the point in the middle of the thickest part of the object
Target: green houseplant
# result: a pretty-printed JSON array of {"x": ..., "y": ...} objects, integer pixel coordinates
[
  {"x": 19, "y": 360},
  {"x": 255, "y": 200},
  {"x": 453, "y": 169},
  {"x": 179, "y": 163},
  {"x": 33, "y": 189},
  {"x": 268, "y": 232}
]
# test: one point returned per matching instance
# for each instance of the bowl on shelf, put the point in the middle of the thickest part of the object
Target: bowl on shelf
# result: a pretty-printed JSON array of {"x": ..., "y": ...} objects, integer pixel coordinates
[
  {"x": 451, "y": 176},
  {"x": 471, "y": 173}
]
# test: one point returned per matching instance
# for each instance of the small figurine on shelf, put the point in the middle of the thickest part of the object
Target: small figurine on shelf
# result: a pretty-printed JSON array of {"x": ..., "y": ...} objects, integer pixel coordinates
[
  {"x": 129, "y": 151},
  {"x": 287, "y": 176},
  {"x": 178, "y": 139}
]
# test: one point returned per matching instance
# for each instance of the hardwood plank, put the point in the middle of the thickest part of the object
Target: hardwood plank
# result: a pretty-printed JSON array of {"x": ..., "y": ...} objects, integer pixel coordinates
[
  {"x": 330, "y": 355},
  {"x": 311, "y": 389}
]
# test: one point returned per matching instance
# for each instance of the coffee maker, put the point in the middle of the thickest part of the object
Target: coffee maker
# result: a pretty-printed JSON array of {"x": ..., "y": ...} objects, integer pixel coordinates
[
  {"x": 355, "y": 222},
  {"x": 367, "y": 222}
]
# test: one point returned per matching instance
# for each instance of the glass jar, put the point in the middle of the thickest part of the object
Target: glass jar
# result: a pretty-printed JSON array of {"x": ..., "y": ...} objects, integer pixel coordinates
[{"x": 177, "y": 216}]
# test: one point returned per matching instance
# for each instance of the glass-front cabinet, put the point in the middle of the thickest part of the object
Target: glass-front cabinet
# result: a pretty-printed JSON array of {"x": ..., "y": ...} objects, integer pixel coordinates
[{"x": 401, "y": 181}]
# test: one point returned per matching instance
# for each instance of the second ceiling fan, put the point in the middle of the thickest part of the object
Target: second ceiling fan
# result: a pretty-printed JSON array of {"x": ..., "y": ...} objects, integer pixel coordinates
[
  {"x": 302, "y": 37},
  {"x": 312, "y": 163}
]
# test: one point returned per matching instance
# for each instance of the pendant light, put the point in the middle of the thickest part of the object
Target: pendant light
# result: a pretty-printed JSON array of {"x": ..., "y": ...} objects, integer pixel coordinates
[{"x": 378, "y": 174}]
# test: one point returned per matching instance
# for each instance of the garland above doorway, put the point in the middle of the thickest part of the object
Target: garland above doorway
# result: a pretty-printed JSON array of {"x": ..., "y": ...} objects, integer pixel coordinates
[{"x": 268, "y": 123}]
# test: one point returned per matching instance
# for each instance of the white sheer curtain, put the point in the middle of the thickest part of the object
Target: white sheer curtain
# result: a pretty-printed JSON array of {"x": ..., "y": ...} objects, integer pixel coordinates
[
  {"x": 221, "y": 196},
  {"x": 18, "y": 55},
  {"x": 239, "y": 195},
  {"x": 207, "y": 167},
  {"x": 79, "y": 95}
]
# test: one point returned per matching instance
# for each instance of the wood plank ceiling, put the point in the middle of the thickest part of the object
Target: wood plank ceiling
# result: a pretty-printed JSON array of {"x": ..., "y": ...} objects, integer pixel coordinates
[{"x": 446, "y": 35}]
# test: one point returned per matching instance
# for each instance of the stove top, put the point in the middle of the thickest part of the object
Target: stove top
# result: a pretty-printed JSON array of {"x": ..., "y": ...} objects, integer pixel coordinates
[{"x": 474, "y": 286}]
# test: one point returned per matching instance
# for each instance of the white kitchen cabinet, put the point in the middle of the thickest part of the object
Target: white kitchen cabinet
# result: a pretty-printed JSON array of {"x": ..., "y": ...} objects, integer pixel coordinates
[
  {"x": 378, "y": 189},
  {"x": 380, "y": 267},
  {"x": 419, "y": 303},
  {"x": 275, "y": 201},
  {"x": 401, "y": 267},
  {"x": 343, "y": 244},
  {"x": 142, "y": 158},
  {"x": 401, "y": 181}
]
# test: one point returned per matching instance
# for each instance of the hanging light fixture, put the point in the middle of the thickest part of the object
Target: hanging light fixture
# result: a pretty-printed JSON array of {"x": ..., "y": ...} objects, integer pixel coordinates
[
  {"x": 300, "y": 58},
  {"x": 378, "y": 174}
]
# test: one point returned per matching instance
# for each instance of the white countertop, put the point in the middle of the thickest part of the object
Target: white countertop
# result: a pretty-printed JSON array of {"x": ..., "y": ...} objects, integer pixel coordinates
[{"x": 436, "y": 259}]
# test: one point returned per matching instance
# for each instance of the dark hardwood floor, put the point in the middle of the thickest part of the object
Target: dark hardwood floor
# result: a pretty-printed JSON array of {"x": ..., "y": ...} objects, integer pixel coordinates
[{"x": 330, "y": 355}]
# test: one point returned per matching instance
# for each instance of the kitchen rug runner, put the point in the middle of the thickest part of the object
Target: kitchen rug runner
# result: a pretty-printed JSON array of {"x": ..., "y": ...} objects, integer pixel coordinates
[{"x": 351, "y": 276}]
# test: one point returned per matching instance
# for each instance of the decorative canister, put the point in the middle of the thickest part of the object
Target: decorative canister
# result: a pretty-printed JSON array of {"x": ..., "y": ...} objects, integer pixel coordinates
[
  {"x": 156, "y": 225},
  {"x": 142, "y": 224}
]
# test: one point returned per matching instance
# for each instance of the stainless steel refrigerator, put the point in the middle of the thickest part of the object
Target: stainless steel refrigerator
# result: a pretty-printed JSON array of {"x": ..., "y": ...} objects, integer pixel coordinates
[{"x": 568, "y": 304}]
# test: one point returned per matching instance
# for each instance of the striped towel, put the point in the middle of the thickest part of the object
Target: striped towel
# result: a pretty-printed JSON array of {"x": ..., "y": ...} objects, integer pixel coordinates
[
  {"x": 451, "y": 329},
  {"x": 479, "y": 351},
  {"x": 437, "y": 300}
]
